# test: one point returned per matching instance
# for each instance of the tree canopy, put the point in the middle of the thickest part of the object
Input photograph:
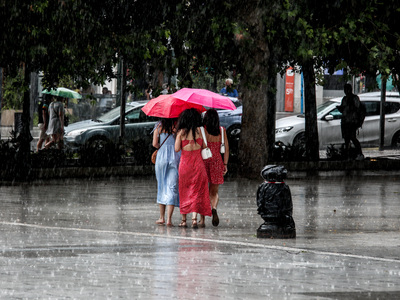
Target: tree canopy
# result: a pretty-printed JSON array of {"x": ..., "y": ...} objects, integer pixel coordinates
[{"x": 256, "y": 39}]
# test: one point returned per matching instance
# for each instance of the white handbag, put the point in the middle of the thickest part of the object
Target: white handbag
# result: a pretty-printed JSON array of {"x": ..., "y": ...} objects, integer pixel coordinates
[
  {"x": 222, "y": 141},
  {"x": 206, "y": 152}
]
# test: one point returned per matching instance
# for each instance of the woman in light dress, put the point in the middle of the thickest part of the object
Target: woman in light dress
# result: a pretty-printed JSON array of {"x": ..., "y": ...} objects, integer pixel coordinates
[
  {"x": 167, "y": 163},
  {"x": 56, "y": 123}
]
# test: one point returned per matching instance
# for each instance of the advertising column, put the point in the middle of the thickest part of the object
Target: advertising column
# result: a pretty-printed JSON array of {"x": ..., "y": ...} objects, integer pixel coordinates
[{"x": 289, "y": 90}]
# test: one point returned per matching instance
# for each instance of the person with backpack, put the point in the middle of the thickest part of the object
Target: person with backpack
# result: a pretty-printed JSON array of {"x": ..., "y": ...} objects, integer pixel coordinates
[{"x": 353, "y": 114}]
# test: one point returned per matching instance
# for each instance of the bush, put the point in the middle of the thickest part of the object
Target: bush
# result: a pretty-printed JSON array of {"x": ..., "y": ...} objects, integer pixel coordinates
[{"x": 100, "y": 153}]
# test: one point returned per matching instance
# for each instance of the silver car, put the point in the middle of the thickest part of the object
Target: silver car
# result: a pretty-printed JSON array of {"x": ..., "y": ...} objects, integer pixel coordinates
[
  {"x": 232, "y": 119},
  {"x": 290, "y": 130},
  {"x": 106, "y": 128}
]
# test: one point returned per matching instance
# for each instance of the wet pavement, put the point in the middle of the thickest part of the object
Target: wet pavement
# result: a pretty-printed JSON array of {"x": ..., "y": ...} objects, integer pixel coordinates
[{"x": 81, "y": 239}]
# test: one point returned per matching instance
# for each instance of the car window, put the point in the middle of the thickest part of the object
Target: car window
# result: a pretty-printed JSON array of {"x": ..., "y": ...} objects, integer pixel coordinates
[
  {"x": 324, "y": 105},
  {"x": 372, "y": 108},
  {"x": 133, "y": 115},
  {"x": 391, "y": 107},
  {"x": 336, "y": 114},
  {"x": 138, "y": 116},
  {"x": 145, "y": 118}
]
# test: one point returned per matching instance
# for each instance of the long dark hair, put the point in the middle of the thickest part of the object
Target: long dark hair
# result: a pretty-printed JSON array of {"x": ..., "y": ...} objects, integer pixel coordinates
[
  {"x": 211, "y": 122},
  {"x": 189, "y": 120},
  {"x": 167, "y": 125}
]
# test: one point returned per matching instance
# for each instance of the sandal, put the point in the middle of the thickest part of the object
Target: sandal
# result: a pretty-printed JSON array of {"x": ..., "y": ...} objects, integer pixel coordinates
[
  {"x": 182, "y": 224},
  {"x": 194, "y": 223}
]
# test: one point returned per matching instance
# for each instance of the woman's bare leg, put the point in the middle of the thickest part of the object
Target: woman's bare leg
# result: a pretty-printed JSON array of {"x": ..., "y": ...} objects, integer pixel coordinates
[
  {"x": 161, "y": 220},
  {"x": 170, "y": 210},
  {"x": 213, "y": 188}
]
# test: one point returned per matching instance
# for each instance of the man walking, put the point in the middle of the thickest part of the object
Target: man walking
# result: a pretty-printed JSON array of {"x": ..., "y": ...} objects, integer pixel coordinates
[{"x": 352, "y": 119}]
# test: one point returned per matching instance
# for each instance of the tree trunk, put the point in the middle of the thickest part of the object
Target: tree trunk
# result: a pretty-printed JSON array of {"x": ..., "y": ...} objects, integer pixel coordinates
[
  {"x": 271, "y": 110},
  {"x": 24, "y": 137},
  {"x": 253, "y": 153},
  {"x": 253, "y": 64},
  {"x": 311, "y": 129},
  {"x": 122, "y": 92}
]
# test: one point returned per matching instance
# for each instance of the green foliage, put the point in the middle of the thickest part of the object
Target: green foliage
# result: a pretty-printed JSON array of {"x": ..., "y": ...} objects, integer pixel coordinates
[{"x": 13, "y": 91}]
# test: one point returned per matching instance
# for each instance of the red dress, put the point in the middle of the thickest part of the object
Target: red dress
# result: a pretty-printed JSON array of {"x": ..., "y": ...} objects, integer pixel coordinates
[
  {"x": 215, "y": 164},
  {"x": 193, "y": 182}
]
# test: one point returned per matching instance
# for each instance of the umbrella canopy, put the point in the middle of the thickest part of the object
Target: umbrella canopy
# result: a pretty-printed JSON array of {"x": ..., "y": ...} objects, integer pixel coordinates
[
  {"x": 204, "y": 97},
  {"x": 63, "y": 92},
  {"x": 167, "y": 106}
]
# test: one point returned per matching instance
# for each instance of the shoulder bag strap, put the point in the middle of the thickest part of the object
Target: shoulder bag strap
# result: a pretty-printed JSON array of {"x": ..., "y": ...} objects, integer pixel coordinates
[
  {"x": 204, "y": 136},
  {"x": 222, "y": 136},
  {"x": 164, "y": 141}
]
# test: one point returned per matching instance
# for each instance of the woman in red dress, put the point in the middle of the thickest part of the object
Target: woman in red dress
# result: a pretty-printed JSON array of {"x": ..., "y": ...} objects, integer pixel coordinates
[
  {"x": 216, "y": 167},
  {"x": 193, "y": 182}
]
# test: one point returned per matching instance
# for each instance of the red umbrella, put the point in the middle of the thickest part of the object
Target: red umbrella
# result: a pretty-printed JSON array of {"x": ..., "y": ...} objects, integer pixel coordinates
[
  {"x": 204, "y": 97},
  {"x": 167, "y": 106}
]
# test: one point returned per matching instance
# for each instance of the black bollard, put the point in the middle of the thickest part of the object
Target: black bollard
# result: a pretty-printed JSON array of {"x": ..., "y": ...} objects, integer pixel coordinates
[{"x": 275, "y": 206}]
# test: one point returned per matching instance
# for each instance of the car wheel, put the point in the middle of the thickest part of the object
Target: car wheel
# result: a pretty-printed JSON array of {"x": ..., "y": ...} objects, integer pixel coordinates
[
  {"x": 233, "y": 132},
  {"x": 396, "y": 140},
  {"x": 233, "y": 135},
  {"x": 97, "y": 142},
  {"x": 299, "y": 140}
]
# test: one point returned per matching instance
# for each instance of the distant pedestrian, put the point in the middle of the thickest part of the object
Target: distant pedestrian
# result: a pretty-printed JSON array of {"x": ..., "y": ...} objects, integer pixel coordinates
[
  {"x": 56, "y": 123},
  {"x": 167, "y": 164},
  {"x": 149, "y": 92},
  {"x": 229, "y": 90},
  {"x": 165, "y": 90},
  {"x": 353, "y": 113},
  {"x": 43, "y": 114}
]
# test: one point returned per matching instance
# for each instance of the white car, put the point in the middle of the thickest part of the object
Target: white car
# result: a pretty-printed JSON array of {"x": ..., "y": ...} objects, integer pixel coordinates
[{"x": 290, "y": 130}]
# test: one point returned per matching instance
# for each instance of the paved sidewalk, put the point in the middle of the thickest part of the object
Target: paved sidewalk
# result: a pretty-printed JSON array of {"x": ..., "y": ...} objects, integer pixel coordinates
[{"x": 81, "y": 239}]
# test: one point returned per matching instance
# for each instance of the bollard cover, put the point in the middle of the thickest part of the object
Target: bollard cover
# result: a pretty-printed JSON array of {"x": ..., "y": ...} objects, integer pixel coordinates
[{"x": 274, "y": 173}]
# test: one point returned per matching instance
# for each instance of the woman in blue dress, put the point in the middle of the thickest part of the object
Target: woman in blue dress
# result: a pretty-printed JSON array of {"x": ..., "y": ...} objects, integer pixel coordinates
[{"x": 167, "y": 165}]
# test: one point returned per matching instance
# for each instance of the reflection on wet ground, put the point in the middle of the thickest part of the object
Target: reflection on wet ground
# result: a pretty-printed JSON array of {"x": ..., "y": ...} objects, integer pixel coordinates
[{"x": 97, "y": 238}]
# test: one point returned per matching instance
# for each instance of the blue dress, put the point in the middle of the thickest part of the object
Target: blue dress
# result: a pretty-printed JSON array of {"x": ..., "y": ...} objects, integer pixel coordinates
[{"x": 167, "y": 165}]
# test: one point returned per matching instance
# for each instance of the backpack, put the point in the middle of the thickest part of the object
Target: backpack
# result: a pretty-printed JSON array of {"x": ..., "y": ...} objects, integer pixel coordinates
[{"x": 360, "y": 116}]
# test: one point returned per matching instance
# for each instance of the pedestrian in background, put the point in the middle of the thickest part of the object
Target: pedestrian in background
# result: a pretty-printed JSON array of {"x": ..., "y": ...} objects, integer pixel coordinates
[
  {"x": 56, "y": 123},
  {"x": 229, "y": 90},
  {"x": 352, "y": 119},
  {"x": 193, "y": 181},
  {"x": 43, "y": 114},
  {"x": 167, "y": 164},
  {"x": 165, "y": 90},
  {"x": 216, "y": 167},
  {"x": 149, "y": 92}
]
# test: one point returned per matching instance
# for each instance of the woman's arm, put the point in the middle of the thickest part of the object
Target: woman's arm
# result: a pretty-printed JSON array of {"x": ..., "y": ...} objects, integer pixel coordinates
[
  {"x": 203, "y": 146},
  {"x": 156, "y": 138},
  {"x": 45, "y": 120},
  {"x": 178, "y": 141}
]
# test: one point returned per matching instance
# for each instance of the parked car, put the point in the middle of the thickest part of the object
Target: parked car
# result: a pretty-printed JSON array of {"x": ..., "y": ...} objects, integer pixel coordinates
[
  {"x": 232, "y": 119},
  {"x": 138, "y": 128},
  {"x": 291, "y": 130}
]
